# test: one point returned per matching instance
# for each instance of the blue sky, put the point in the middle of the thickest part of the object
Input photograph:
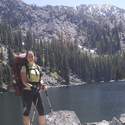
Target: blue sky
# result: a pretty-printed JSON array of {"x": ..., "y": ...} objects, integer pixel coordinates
[{"x": 119, "y": 3}]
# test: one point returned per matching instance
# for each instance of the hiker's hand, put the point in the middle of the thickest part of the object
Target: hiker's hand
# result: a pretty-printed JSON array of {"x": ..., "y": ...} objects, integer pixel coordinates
[
  {"x": 44, "y": 87},
  {"x": 28, "y": 85}
]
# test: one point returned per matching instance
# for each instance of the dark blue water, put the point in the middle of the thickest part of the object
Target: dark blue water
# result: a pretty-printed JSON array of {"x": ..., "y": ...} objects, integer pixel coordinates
[
  {"x": 91, "y": 103},
  {"x": 10, "y": 109}
]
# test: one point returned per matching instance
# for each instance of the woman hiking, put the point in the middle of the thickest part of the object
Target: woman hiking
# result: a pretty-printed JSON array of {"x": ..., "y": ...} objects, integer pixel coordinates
[{"x": 31, "y": 78}]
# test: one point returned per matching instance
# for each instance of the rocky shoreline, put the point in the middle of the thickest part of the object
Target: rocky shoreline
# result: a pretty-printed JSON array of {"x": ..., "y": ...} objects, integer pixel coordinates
[
  {"x": 63, "y": 118},
  {"x": 114, "y": 121},
  {"x": 70, "y": 118},
  {"x": 56, "y": 81}
]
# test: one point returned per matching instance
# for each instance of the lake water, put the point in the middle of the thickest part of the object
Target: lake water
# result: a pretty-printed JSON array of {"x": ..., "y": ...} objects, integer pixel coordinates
[{"x": 91, "y": 102}]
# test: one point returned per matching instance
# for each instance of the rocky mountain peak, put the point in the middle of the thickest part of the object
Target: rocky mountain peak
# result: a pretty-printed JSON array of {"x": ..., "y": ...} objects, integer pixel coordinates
[{"x": 87, "y": 24}]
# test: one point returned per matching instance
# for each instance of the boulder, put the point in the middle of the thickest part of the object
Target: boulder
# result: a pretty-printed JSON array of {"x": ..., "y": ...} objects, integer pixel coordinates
[
  {"x": 115, "y": 121},
  {"x": 62, "y": 118},
  {"x": 103, "y": 122},
  {"x": 122, "y": 118}
]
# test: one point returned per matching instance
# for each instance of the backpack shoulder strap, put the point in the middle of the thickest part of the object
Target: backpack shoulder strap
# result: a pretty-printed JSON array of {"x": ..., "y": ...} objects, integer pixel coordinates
[
  {"x": 27, "y": 69},
  {"x": 39, "y": 69}
]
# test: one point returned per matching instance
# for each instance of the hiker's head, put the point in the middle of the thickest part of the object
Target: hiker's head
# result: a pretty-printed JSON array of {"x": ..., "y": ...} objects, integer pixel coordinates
[{"x": 30, "y": 57}]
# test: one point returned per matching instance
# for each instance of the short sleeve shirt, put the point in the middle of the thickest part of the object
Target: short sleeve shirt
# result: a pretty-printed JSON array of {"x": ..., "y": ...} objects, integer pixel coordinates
[{"x": 33, "y": 72}]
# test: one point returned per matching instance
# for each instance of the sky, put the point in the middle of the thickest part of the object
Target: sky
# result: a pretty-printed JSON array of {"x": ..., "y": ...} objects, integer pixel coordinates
[{"x": 118, "y": 3}]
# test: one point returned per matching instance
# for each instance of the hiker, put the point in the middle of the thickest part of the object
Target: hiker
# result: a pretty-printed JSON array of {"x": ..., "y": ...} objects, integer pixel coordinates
[
  {"x": 5, "y": 71},
  {"x": 31, "y": 79}
]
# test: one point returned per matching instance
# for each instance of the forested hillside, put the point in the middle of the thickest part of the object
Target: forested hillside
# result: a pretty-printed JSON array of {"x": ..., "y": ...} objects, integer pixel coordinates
[{"x": 65, "y": 57}]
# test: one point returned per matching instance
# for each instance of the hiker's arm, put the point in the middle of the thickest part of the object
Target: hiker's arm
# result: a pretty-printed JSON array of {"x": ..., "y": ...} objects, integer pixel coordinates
[
  {"x": 43, "y": 85},
  {"x": 24, "y": 78}
]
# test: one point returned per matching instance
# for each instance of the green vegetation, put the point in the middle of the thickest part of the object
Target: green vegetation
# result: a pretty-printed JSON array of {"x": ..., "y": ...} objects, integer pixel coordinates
[{"x": 64, "y": 57}]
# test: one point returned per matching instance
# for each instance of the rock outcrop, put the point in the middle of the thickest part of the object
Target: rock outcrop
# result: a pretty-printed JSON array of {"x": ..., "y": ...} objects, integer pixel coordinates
[
  {"x": 114, "y": 121},
  {"x": 62, "y": 118}
]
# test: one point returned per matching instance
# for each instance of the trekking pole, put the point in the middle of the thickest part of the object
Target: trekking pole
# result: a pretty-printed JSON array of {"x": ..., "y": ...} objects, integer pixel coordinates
[{"x": 49, "y": 103}]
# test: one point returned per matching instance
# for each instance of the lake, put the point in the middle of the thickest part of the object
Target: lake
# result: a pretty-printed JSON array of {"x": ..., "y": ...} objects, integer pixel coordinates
[{"x": 91, "y": 102}]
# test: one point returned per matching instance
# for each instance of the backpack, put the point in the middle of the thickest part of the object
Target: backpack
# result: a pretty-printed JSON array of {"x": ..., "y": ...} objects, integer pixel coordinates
[{"x": 18, "y": 62}]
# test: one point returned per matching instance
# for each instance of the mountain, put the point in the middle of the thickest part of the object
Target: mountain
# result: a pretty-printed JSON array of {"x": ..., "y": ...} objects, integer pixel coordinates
[{"x": 92, "y": 26}]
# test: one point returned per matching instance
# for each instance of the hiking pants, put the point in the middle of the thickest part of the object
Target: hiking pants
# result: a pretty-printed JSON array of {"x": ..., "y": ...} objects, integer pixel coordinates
[{"x": 28, "y": 96}]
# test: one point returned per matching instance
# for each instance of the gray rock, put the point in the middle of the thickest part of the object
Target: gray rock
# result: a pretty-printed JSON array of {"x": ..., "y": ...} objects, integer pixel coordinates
[
  {"x": 115, "y": 121},
  {"x": 103, "y": 122},
  {"x": 63, "y": 118},
  {"x": 122, "y": 118}
]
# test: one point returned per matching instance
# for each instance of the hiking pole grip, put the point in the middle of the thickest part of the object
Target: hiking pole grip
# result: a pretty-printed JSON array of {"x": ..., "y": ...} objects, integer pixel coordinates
[{"x": 49, "y": 103}]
